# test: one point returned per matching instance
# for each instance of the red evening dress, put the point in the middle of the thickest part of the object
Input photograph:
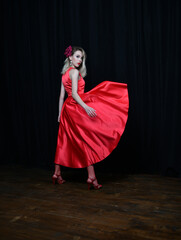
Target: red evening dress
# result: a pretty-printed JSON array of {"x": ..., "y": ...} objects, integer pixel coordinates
[{"x": 83, "y": 140}]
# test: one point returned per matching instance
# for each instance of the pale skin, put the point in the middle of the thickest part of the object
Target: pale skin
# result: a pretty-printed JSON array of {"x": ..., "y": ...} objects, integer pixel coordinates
[{"x": 76, "y": 59}]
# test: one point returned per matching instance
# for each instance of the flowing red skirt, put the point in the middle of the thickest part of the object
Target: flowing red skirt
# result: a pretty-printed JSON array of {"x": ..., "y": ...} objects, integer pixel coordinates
[{"x": 84, "y": 140}]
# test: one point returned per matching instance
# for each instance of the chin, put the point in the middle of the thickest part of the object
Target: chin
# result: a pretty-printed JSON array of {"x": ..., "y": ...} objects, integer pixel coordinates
[{"x": 79, "y": 66}]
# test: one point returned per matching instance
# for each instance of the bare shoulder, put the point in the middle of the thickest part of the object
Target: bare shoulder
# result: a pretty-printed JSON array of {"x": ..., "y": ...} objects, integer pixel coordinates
[{"x": 73, "y": 73}]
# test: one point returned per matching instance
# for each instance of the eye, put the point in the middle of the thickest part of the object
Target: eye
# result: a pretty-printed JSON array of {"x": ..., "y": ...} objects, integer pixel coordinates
[{"x": 79, "y": 56}]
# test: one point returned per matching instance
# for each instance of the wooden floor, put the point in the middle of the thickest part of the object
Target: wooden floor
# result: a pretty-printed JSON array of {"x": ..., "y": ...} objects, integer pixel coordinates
[{"x": 128, "y": 207}]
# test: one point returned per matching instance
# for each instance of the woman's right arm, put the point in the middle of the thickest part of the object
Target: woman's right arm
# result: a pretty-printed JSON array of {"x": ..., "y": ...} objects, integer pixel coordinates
[
  {"x": 61, "y": 100},
  {"x": 74, "y": 75}
]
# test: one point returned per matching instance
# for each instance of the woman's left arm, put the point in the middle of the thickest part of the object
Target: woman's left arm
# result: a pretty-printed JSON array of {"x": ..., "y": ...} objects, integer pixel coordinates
[{"x": 61, "y": 100}]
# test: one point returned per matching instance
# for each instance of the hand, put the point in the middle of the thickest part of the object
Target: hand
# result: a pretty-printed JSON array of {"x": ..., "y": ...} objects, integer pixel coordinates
[{"x": 90, "y": 111}]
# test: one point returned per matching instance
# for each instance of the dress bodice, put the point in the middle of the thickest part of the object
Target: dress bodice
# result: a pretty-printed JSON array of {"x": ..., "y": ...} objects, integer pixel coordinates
[{"x": 67, "y": 82}]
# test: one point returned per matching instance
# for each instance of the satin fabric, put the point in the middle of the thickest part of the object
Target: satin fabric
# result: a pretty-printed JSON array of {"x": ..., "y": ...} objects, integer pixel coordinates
[{"x": 83, "y": 140}]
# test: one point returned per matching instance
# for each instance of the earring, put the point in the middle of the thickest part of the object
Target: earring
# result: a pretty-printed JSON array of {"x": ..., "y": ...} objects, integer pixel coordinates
[{"x": 70, "y": 62}]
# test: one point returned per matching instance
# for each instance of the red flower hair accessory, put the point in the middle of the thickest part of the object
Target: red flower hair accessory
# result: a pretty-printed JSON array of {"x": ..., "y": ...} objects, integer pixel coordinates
[{"x": 68, "y": 51}]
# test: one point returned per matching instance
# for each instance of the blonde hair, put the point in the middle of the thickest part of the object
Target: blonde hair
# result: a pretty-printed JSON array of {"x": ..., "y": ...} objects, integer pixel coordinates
[{"x": 82, "y": 68}]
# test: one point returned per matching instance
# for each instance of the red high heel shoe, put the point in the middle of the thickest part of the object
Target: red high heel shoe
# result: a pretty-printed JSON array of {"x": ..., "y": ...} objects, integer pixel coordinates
[
  {"x": 56, "y": 178},
  {"x": 90, "y": 181}
]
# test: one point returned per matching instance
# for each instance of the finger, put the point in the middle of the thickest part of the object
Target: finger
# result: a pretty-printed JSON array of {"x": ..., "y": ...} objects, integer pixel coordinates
[
  {"x": 90, "y": 114},
  {"x": 93, "y": 114}
]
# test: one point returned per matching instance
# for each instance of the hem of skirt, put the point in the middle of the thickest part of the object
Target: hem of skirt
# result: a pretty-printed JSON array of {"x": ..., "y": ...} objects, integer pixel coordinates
[{"x": 97, "y": 161}]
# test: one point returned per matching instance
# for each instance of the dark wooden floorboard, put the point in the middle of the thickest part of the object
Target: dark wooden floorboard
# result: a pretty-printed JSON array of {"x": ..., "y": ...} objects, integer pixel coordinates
[{"x": 128, "y": 207}]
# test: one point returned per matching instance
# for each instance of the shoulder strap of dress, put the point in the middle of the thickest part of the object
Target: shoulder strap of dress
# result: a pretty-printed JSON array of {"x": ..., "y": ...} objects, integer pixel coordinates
[
  {"x": 72, "y": 68},
  {"x": 67, "y": 72}
]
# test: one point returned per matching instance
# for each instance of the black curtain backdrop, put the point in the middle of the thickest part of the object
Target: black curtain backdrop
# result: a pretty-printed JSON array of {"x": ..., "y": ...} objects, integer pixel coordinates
[{"x": 131, "y": 41}]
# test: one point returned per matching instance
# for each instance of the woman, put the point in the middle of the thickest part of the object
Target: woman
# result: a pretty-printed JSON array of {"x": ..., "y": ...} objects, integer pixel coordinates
[{"x": 91, "y": 123}]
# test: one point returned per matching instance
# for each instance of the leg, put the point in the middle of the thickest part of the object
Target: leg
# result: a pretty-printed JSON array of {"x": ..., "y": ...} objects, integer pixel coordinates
[
  {"x": 91, "y": 172},
  {"x": 92, "y": 177},
  {"x": 57, "y": 170},
  {"x": 57, "y": 175}
]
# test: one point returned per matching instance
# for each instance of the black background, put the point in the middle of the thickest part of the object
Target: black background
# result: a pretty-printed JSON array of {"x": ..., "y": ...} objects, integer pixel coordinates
[{"x": 131, "y": 41}]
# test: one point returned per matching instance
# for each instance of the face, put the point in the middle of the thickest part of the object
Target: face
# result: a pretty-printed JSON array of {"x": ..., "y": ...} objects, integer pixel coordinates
[{"x": 76, "y": 58}]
